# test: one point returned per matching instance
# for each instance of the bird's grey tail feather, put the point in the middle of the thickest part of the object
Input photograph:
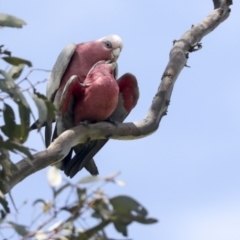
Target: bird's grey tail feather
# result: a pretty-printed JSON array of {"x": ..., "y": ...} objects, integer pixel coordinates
[{"x": 83, "y": 158}]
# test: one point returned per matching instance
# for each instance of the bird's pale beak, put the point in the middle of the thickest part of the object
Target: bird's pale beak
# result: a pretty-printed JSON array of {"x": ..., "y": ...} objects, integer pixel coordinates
[
  {"x": 116, "y": 53},
  {"x": 112, "y": 63}
]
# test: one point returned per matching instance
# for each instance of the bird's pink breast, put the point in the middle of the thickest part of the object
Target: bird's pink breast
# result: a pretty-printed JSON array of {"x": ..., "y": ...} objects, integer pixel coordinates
[{"x": 99, "y": 101}]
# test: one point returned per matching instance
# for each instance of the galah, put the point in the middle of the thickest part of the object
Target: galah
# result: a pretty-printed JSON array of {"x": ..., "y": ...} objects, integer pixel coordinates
[
  {"x": 99, "y": 95},
  {"x": 89, "y": 101},
  {"x": 92, "y": 100},
  {"x": 77, "y": 59}
]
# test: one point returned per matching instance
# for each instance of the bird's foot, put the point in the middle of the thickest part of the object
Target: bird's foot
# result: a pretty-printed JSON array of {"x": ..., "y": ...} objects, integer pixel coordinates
[
  {"x": 110, "y": 120},
  {"x": 85, "y": 123},
  {"x": 85, "y": 85},
  {"x": 88, "y": 141}
]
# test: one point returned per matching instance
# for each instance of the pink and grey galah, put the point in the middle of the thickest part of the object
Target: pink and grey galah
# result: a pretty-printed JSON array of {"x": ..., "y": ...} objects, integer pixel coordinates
[
  {"x": 82, "y": 87},
  {"x": 95, "y": 98},
  {"x": 77, "y": 59}
]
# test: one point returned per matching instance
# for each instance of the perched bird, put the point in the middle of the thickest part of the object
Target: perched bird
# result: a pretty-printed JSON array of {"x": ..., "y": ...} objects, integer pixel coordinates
[
  {"x": 73, "y": 64},
  {"x": 77, "y": 59},
  {"x": 92, "y": 100},
  {"x": 95, "y": 107}
]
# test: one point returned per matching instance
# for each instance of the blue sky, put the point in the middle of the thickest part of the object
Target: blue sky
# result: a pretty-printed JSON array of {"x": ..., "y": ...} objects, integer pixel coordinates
[{"x": 186, "y": 173}]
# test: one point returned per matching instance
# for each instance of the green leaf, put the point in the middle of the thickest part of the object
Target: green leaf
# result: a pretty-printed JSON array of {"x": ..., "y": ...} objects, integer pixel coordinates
[
  {"x": 7, "y": 166},
  {"x": 57, "y": 192},
  {"x": 74, "y": 209},
  {"x": 14, "y": 146},
  {"x": 4, "y": 51},
  {"x": 11, "y": 129},
  {"x": 89, "y": 233},
  {"x": 145, "y": 220},
  {"x": 126, "y": 205},
  {"x": 15, "y": 134},
  {"x": 42, "y": 110},
  {"x": 20, "y": 229},
  {"x": 81, "y": 192},
  {"x": 16, "y": 71},
  {"x": 90, "y": 179},
  {"x": 17, "y": 61},
  {"x": 8, "y": 85},
  {"x": 3, "y": 215},
  {"x": 24, "y": 113},
  {"x": 51, "y": 110},
  {"x": 127, "y": 210},
  {"x": 39, "y": 201},
  {"x": 121, "y": 227},
  {"x": 9, "y": 119},
  {"x": 4, "y": 203},
  {"x": 7, "y": 20},
  {"x": 21, "y": 131},
  {"x": 101, "y": 208}
]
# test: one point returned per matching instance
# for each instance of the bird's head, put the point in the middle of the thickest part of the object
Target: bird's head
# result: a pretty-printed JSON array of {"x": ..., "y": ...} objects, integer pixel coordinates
[
  {"x": 103, "y": 67},
  {"x": 112, "y": 44}
]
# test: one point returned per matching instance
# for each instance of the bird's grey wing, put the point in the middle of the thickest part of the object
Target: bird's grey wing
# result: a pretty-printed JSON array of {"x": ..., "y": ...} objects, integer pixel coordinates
[
  {"x": 59, "y": 69},
  {"x": 54, "y": 82}
]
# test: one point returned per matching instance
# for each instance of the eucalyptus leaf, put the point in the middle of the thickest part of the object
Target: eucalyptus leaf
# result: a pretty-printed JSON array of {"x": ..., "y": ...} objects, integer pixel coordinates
[
  {"x": 20, "y": 229},
  {"x": 17, "y": 61},
  {"x": 11, "y": 129},
  {"x": 9, "y": 119},
  {"x": 121, "y": 227},
  {"x": 7, "y": 165},
  {"x": 82, "y": 195},
  {"x": 16, "y": 134},
  {"x": 90, "y": 179},
  {"x": 57, "y": 192},
  {"x": 4, "y": 203},
  {"x": 7, "y": 20},
  {"x": 14, "y": 147},
  {"x": 4, "y": 51},
  {"x": 42, "y": 110},
  {"x": 39, "y": 201},
  {"x": 127, "y": 210},
  {"x": 3, "y": 215},
  {"x": 16, "y": 71},
  {"x": 24, "y": 113},
  {"x": 145, "y": 220},
  {"x": 126, "y": 205},
  {"x": 101, "y": 208},
  {"x": 8, "y": 85}
]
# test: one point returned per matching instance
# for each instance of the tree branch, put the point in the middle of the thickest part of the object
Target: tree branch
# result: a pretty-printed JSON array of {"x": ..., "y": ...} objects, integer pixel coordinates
[{"x": 189, "y": 42}]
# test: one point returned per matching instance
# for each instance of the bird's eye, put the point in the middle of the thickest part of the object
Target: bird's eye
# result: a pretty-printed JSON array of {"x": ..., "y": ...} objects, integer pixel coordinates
[{"x": 108, "y": 44}]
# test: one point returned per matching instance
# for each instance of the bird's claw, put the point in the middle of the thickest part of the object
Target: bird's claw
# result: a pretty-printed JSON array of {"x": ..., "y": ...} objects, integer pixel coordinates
[
  {"x": 85, "y": 85},
  {"x": 88, "y": 141},
  {"x": 115, "y": 123},
  {"x": 85, "y": 123}
]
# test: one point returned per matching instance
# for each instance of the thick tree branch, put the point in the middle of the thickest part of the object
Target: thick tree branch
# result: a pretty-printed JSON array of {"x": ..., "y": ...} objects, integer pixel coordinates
[{"x": 189, "y": 42}]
